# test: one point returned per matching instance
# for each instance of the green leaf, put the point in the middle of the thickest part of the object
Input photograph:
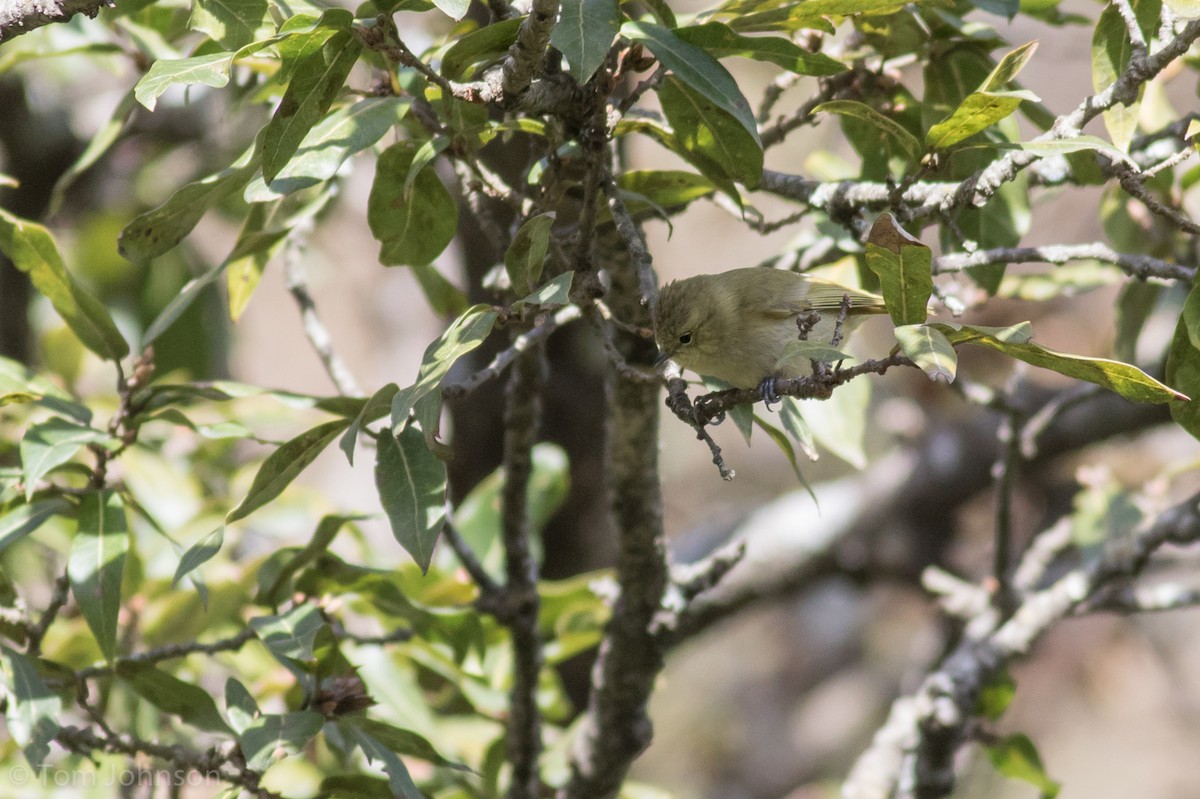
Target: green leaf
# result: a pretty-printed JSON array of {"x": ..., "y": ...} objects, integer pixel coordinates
[
  {"x": 271, "y": 736},
  {"x": 183, "y": 300},
  {"x": 527, "y": 254},
  {"x": 32, "y": 250},
  {"x": 721, "y": 41},
  {"x": 316, "y": 81},
  {"x": 697, "y": 70},
  {"x": 996, "y": 695},
  {"x": 813, "y": 351},
  {"x": 199, "y": 553},
  {"x": 159, "y": 230},
  {"x": 257, "y": 243},
  {"x": 1111, "y": 49},
  {"x": 484, "y": 45},
  {"x": 233, "y": 23},
  {"x": 1052, "y": 147},
  {"x": 796, "y": 426},
  {"x": 96, "y": 564},
  {"x": 403, "y": 742},
  {"x": 284, "y": 465},
  {"x": 839, "y": 424},
  {"x": 33, "y": 709},
  {"x": 413, "y": 227},
  {"x": 785, "y": 446},
  {"x": 273, "y": 580},
  {"x": 584, "y": 33},
  {"x": 399, "y": 780},
  {"x": 904, "y": 267},
  {"x": 28, "y": 517},
  {"x": 291, "y": 637},
  {"x": 1183, "y": 364},
  {"x": 53, "y": 443},
  {"x": 1006, "y": 71},
  {"x": 1128, "y": 381},
  {"x": 208, "y": 70},
  {"x": 979, "y": 111},
  {"x": 375, "y": 408},
  {"x": 172, "y": 695},
  {"x": 930, "y": 350},
  {"x": 893, "y": 129},
  {"x": 661, "y": 189},
  {"x": 455, "y": 9},
  {"x": 412, "y": 488},
  {"x": 709, "y": 138},
  {"x": 465, "y": 334},
  {"x": 1017, "y": 758},
  {"x": 445, "y": 298},
  {"x": 477, "y": 517},
  {"x": 326, "y": 147},
  {"x": 807, "y": 14},
  {"x": 240, "y": 707}
]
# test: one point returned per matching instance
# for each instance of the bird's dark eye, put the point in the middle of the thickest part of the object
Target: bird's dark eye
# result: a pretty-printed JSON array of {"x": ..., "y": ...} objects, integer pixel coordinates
[{"x": 686, "y": 338}]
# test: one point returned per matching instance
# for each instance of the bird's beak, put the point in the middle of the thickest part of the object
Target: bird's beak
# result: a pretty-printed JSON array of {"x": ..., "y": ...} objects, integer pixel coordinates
[{"x": 662, "y": 358}]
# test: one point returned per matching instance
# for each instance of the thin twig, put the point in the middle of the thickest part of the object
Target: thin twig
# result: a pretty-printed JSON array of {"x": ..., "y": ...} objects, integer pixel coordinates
[
  {"x": 173, "y": 651},
  {"x": 58, "y": 599},
  {"x": 634, "y": 241},
  {"x": 504, "y": 358},
  {"x": 314, "y": 329}
]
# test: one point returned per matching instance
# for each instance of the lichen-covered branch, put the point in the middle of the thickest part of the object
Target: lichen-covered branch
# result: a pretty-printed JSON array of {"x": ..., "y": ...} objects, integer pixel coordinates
[
  {"x": 1139, "y": 266},
  {"x": 22, "y": 16},
  {"x": 913, "y": 753}
]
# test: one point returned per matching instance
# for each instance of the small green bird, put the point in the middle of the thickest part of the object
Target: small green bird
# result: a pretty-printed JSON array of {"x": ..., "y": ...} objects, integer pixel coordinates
[{"x": 736, "y": 325}]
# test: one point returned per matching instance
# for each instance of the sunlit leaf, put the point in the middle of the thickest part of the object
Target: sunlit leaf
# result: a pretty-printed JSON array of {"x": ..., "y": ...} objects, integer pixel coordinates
[
  {"x": 233, "y": 23},
  {"x": 930, "y": 350},
  {"x": 486, "y": 44},
  {"x": 1016, "y": 757},
  {"x": 96, "y": 564},
  {"x": 316, "y": 81},
  {"x": 33, "y": 710},
  {"x": 326, "y": 147},
  {"x": 721, "y": 41},
  {"x": 208, "y": 70},
  {"x": 53, "y": 443},
  {"x": 909, "y": 143},
  {"x": 32, "y": 250},
  {"x": 28, "y": 517},
  {"x": 1124, "y": 379},
  {"x": 465, "y": 334}
]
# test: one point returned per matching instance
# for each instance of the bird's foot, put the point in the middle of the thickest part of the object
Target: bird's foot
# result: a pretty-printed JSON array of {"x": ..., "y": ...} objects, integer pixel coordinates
[{"x": 766, "y": 390}]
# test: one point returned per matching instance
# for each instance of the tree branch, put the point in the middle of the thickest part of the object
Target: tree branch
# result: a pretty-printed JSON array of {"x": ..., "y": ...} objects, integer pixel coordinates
[
  {"x": 22, "y": 16},
  {"x": 522, "y": 412},
  {"x": 913, "y": 753}
]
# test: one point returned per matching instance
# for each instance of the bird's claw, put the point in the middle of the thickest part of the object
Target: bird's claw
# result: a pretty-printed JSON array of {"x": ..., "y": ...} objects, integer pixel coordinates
[{"x": 766, "y": 390}]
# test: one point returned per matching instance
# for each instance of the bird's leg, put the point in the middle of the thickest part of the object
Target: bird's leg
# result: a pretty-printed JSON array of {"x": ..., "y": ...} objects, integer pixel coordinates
[
  {"x": 840, "y": 322},
  {"x": 766, "y": 390}
]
